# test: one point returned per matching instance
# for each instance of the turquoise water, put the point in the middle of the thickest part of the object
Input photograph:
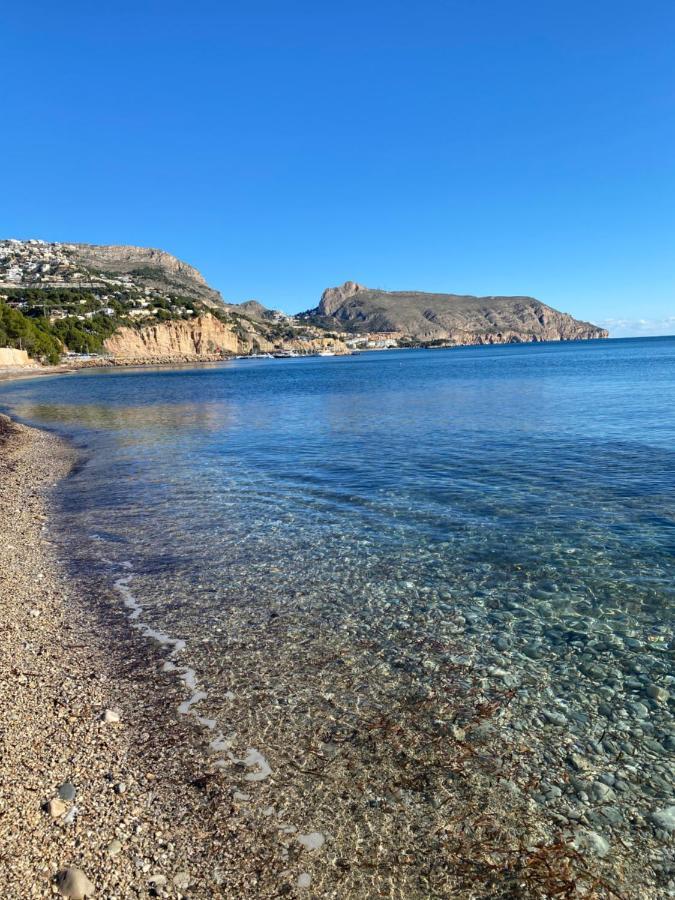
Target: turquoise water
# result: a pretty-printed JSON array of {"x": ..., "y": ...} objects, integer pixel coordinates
[{"x": 334, "y": 538}]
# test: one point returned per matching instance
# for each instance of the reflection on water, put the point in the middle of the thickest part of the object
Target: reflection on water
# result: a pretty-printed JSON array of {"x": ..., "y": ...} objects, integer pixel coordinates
[
  {"x": 363, "y": 553},
  {"x": 160, "y": 419}
]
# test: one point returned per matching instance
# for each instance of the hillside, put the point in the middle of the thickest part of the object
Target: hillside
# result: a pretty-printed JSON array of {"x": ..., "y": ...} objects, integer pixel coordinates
[
  {"x": 139, "y": 303},
  {"x": 445, "y": 318},
  {"x": 39, "y": 264},
  {"x": 130, "y": 303}
]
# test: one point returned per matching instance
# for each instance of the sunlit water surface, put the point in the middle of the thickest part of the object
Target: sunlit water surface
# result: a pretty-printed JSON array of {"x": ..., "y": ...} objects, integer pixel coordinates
[{"x": 327, "y": 534}]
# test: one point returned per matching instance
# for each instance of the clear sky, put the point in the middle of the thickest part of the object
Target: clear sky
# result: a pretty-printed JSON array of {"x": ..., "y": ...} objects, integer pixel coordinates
[{"x": 282, "y": 146}]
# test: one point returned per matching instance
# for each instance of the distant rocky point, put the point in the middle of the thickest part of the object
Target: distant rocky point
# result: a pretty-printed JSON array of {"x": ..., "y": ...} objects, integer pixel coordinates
[{"x": 445, "y": 318}]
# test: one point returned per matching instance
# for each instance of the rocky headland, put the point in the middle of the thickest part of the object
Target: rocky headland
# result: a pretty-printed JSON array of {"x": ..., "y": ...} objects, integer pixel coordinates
[{"x": 450, "y": 319}]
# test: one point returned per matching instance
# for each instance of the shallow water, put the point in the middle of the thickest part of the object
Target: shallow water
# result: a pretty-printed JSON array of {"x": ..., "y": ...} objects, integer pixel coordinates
[{"x": 341, "y": 540}]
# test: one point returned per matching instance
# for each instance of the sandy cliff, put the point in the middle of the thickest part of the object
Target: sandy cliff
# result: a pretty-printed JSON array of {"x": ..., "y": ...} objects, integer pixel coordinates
[
  {"x": 204, "y": 337},
  {"x": 11, "y": 357}
]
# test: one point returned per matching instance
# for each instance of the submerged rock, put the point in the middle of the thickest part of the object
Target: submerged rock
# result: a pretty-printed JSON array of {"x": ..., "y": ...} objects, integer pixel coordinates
[
  {"x": 590, "y": 842},
  {"x": 664, "y": 818},
  {"x": 312, "y": 841}
]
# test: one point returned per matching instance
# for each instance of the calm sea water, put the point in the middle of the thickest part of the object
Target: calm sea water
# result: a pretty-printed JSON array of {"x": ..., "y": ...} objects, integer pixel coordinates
[{"x": 326, "y": 534}]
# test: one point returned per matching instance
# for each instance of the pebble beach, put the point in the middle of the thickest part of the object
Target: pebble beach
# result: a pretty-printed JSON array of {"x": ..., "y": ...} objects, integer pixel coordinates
[{"x": 97, "y": 771}]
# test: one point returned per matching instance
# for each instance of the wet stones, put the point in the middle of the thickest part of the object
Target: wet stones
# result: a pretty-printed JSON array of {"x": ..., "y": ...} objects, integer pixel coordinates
[
  {"x": 591, "y": 842},
  {"x": 554, "y": 717},
  {"x": 657, "y": 693},
  {"x": 664, "y": 819}
]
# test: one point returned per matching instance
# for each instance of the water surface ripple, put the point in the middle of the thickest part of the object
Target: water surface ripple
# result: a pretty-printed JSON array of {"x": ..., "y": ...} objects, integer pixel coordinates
[{"x": 345, "y": 544}]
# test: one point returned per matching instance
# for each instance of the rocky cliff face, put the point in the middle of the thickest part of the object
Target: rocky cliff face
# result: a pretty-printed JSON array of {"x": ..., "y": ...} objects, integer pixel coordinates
[
  {"x": 448, "y": 318},
  {"x": 334, "y": 298},
  {"x": 12, "y": 357},
  {"x": 205, "y": 337},
  {"x": 153, "y": 268}
]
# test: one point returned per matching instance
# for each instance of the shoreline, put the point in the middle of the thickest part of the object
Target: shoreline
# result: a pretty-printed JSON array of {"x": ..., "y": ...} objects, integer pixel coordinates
[
  {"x": 12, "y": 373},
  {"x": 149, "y": 811},
  {"x": 68, "y": 652}
]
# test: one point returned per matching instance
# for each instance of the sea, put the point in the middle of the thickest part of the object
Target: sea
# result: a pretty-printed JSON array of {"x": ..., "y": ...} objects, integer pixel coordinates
[{"x": 367, "y": 571}]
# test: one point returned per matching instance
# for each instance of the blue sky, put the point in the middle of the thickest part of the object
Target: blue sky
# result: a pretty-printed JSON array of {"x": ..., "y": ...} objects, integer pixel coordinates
[{"x": 482, "y": 146}]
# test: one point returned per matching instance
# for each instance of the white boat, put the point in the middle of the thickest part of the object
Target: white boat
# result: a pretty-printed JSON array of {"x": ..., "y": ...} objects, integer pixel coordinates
[{"x": 326, "y": 352}]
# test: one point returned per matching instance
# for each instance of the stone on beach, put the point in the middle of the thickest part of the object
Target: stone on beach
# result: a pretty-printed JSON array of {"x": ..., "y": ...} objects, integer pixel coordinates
[
  {"x": 67, "y": 791},
  {"x": 73, "y": 883},
  {"x": 111, "y": 717},
  {"x": 664, "y": 818},
  {"x": 114, "y": 847},
  {"x": 56, "y": 808},
  {"x": 181, "y": 881}
]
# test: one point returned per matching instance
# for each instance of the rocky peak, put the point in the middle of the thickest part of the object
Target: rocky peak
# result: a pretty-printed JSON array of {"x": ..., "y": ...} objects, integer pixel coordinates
[{"x": 333, "y": 298}]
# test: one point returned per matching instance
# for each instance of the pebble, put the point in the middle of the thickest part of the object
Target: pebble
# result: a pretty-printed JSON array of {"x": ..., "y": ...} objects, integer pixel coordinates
[
  {"x": 664, "y": 818},
  {"x": 67, "y": 791},
  {"x": 110, "y": 716},
  {"x": 555, "y": 718},
  {"x": 120, "y": 788},
  {"x": 657, "y": 693},
  {"x": 157, "y": 880},
  {"x": 600, "y": 790},
  {"x": 591, "y": 842},
  {"x": 312, "y": 841},
  {"x": 304, "y": 880},
  {"x": 181, "y": 881},
  {"x": 114, "y": 847},
  {"x": 74, "y": 883},
  {"x": 578, "y": 762},
  {"x": 56, "y": 808}
]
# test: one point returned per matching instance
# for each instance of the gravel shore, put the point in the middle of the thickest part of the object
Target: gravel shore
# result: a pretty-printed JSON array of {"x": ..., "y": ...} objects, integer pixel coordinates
[{"x": 132, "y": 803}]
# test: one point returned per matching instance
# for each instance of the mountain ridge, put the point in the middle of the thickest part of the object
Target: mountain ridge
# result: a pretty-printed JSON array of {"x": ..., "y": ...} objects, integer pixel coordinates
[{"x": 453, "y": 318}]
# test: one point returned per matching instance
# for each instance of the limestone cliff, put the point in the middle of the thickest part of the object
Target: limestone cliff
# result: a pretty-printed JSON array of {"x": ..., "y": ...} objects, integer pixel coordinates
[
  {"x": 204, "y": 337},
  {"x": 9, "y": 356}
]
